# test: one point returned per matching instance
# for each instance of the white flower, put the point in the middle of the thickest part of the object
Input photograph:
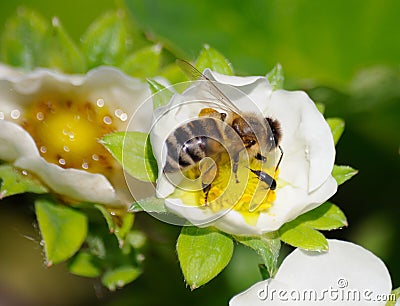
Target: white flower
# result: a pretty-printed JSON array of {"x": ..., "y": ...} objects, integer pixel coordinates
[
  {"x": 345, "y": 275},
  {"x": 50, "y": 125},
  {"x": 304, "y": 181}
]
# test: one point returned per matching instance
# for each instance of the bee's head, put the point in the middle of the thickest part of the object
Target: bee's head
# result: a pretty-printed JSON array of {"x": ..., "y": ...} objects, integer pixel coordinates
[{"x": 251, "y": 130}]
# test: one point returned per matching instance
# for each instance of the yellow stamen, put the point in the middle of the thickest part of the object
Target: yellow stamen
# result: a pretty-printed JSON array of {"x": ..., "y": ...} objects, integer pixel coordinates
[{"x": 250, "y": 196}]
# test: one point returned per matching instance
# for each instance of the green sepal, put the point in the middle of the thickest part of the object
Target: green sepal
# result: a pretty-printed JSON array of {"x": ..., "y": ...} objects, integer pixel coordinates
[
  {"x": 161, "y": 94},
  {"x": 61, "y": 51},
  {"x": 276, "y": 77},
  {"x": 343, "y": 173},
  {"x": 23, "y": 40},
  {"x": 121, "y": 229},
  {"x": 394, "y": 296},
  {"x": 151, "y": 205},
  {"x": 14, "y": 181},
  {"x": 214, "y": 60},
  {"x": 302, "y": 231},
  {"x": 133, "y": 151},
  {"x": 63, "y": 229},
  {"x": 143, "y": 63},
  {"x": 263, "y": 271},
  {"x": 119, "y": 277},
  {"x": 203, "y": 253},
  {"x": 267, "y": 248},
  {"x": 337, "y": 128},
  {"x": 173, "y": 73},
  {"x": 106, "y": 41},
  {"x": 84, "y": 264}
]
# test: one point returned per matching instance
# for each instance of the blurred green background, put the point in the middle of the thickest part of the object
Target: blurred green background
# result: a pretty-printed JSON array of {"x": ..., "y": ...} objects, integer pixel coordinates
[{"x": 345, "y": 54}]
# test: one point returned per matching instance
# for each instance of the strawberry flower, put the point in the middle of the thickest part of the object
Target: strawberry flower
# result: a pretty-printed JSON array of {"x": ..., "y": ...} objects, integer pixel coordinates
[
  {"x": 304, "y": 179},
  {"x": 51, "y": 123}
]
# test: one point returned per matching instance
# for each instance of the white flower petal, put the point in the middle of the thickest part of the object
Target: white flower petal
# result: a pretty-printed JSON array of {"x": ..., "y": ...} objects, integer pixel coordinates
[
  {"x": 309, "y": 150},
  {"x": 15, "y": 142},
  {"x": 76, "y": 184},
  {"x": 347, "y": 270}
]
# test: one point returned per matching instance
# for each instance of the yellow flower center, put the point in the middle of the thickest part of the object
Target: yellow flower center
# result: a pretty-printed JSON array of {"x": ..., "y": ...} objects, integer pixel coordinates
[
  {"x": 249, "y": 196},
  {"x": 67, "y": 132}
]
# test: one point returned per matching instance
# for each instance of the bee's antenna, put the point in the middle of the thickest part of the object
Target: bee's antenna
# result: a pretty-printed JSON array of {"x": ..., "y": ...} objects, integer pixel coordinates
[{"x": 280, "y": 158}]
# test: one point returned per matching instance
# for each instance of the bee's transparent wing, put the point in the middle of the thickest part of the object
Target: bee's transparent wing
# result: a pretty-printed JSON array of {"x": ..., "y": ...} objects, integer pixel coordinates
[{"x": 195, "y": 74}]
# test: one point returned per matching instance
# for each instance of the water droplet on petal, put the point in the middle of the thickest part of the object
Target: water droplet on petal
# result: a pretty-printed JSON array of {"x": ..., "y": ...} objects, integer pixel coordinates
[
  {"x": 15, "y": 114},
  {"x": 107, "y": 120},
  {"x": 100, "y": 102}
]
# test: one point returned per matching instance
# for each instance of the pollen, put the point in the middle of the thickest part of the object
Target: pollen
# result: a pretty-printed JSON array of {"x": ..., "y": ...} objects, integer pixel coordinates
[
  {"x": 67, "y": 132},
  {"x": 249, "y": 196}
]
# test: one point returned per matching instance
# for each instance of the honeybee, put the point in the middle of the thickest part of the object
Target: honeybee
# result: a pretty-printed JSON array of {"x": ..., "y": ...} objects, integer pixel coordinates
[{"x": 214, "y": 134}]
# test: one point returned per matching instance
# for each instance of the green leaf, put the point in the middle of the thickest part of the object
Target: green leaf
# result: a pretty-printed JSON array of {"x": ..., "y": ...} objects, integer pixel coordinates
[
  {"x": 276, "y": 77},
  {"x": 267, "y": 249},
  {"x": 343, "y": 173},
  {"x": 14, "y": 181},
  {"x": 133, "y": 151},
  {"x": 325, "y": 217},
  {"x": 144, "y": 62},
  {"x": 161, "y": 94},
  {"x": 151, "y": 204},
  {"x": 84, "y": 264},
  {"x": 106, "y": 41},
  {"x": 211, "y": 58},
  {"x": 303, "y": 236},
  {"x": 320, "y": 107},
  {"x": 23, "y": 39},
  {"x": 202, "y": 253},
  {"x": 394, "y": 296},
  {"x": 337, "y": 128},
  {"x": 61, "y": 52},
  {"x": 63, "y": 229},
  {"x": 119, "y": 277}
]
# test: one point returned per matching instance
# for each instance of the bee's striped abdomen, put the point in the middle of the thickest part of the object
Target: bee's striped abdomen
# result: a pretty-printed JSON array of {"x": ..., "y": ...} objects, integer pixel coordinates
[{"x": 188, "y": 144}]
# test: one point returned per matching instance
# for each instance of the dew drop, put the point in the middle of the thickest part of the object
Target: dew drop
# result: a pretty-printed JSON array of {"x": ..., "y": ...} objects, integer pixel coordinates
[
  {"x": 100, "y": 102},
  {"x": 118, "y": 112},
  {"x": 95, "y": 157},
  {"x": 39, "y": 116},
  {"x": 66, "y": 149},
  {"x": 15, "y": 114},
  {"x": 61, "y": 161},
  {"x": 24, "y": 172},
  {"x": 107, "y": 120},
  {"x": 123, "y": 117},
  {"x": 43, "y": 149},
  {"x": 85, "y": 165}
]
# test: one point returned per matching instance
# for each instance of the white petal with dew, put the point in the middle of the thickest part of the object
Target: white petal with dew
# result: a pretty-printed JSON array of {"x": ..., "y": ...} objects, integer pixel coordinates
[
  {"x": 76, "y": 184},
  {"x": 347, "y": 270},
  {"x": 15, "y": 142}
]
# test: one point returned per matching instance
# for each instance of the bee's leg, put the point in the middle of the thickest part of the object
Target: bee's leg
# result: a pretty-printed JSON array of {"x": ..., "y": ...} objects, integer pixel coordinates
[
  {"x": 235, "y": 166},
  {"x": 206, "y": 190},
  {"x": 261, "y": 158},
  {"x": 208, "y": 169}
]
